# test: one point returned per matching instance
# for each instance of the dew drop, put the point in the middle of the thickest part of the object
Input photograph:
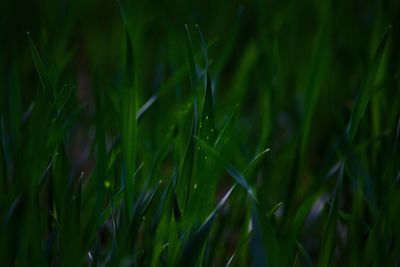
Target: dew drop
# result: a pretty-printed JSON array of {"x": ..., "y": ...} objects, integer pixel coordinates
[
  {"x": 206, "y": 118},
  {"x": 195, "y": 186},
  {"x": 208, "y": 138},
  {"x": 205, "y": 157}
]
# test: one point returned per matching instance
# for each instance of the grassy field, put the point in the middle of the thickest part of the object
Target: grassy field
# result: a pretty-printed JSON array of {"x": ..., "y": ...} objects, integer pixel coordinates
[{"x": 195, "y": 133}]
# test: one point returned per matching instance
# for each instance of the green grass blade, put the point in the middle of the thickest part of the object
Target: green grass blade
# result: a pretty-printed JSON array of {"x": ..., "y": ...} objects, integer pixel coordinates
[
  {"x": 41, "y": 70},
  {"x": 367, "y": 88},
  {"x": 226, "y": 128},
  {"x": 232, "y": 171},
  {"x": 329, "y": 240},
  {"x": 193, "y": 246},
  {"x": 264, "y": 244},
  {"x": 129, "y": 126}
]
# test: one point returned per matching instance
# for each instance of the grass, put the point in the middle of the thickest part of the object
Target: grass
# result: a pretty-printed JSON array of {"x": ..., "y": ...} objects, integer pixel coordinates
[{"x": 199, "y": 134}]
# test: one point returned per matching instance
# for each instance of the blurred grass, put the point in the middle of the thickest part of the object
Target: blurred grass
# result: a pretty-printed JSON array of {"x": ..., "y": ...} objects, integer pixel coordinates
[{"x": 199, "y": 133}]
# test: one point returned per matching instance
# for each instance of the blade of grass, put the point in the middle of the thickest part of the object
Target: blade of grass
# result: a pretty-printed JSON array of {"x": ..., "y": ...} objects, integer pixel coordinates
[
  {"x": 228, "y": 167},
  {"x": 329, "y": 239},
  {"x": 367, "y": 89},
  {"x": 264, "y": 243},
  {"x": 129, "y": 126},
  {"x": 193, "y": 246}
]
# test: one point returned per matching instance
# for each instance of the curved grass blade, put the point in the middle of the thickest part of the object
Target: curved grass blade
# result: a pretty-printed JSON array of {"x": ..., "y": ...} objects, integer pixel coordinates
[
  {"x": 307, "y": 258},
  {"x": 204, "y": 50},
  {"x": 193, "y": 246},
  {"x": 190, "y": 56},
  {"x": 255, "y": 160},
  {"x": 367, "y": 88},
  {"x": 43, "y": 74},
  {"x": 228, "y": 167},
  {"x": 241, "y": 244},
  {"x": 224, "y": 133}
]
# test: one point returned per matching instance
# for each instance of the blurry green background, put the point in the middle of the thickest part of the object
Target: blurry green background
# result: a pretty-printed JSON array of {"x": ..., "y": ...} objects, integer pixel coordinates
[{"x": 116, "y": 145}]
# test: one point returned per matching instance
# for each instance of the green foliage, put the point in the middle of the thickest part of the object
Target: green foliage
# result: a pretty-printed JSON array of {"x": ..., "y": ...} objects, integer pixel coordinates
[{"x": 199, "y": 133}]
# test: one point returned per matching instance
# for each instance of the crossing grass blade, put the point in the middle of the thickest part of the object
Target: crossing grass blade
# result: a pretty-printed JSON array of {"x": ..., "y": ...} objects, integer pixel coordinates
[
  {"x": 193, "y": 246},
  {"x": 367, "y": 88},
  {"x": 237, "y": 250},
  {"x": 232, "y": 171}
]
